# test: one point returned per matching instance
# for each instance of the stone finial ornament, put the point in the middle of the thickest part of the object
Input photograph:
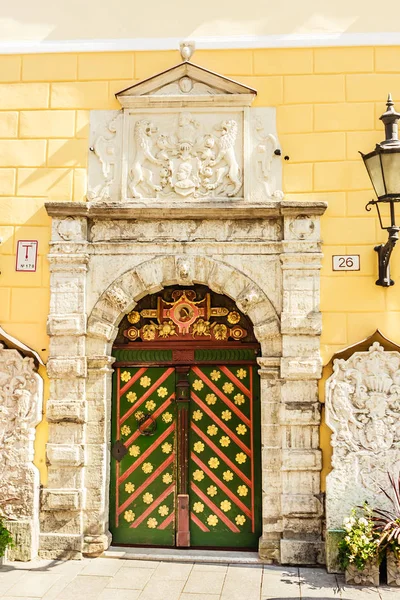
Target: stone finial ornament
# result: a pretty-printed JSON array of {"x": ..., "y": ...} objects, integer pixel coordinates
[{"x": 187, "y": 50}]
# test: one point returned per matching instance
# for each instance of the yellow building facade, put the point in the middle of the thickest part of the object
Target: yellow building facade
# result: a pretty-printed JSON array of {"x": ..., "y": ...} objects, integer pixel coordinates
[{"x": 328, "y": 102}]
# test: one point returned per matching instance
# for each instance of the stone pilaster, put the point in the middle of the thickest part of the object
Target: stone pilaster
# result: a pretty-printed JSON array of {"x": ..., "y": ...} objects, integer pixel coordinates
[
  {"x": 63, "y": 499},
  {"x": 300, "y": 369},
  {"x": 271, "y": 459}
]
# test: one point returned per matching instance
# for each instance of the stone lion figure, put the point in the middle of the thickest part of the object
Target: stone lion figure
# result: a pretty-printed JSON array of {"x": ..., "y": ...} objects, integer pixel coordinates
[
  {"x": 139, "y": 174},
  {"x": 226, "y": 154}
]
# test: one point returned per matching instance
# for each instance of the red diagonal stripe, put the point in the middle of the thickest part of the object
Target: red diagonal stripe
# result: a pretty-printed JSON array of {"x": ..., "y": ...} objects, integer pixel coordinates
[
  {"x": 214, "y": 508},
  {"x": 221, "y": 395},
  {"x": 221, "y": 455},
  {"x": 148, "y": 393},
  {"x": 132, "y": 380},
  {"x": 146, "y": 483},
  {"x": 223, "y": 487},
  {"x": 147, "y": 453},
  {"x": 167, "y": 521},
  {"x": 152, "y": 506},
  {"x": 197, "y": 521},
  {"x": 236, "y": 381},
  {"x": 221, "y": 424},
  {"x": 156, "y": 414}
]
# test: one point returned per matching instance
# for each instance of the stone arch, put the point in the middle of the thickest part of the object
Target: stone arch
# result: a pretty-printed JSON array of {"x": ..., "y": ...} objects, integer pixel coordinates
[
  {"x": 121, "y": 297},
  {"x": 153, "y": 275}
]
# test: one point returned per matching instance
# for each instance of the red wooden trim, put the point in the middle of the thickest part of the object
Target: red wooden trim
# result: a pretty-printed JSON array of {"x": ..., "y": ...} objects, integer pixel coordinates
[
  {"x": 148, "y": 393},
  {"x": 214, "y": 508},
  {"x": 223, "y": 487},
  {"x": 117, "y": 462},
  {"x": 236, "y": 381},
  {"x": 116, "y": 494},
  {"x": 132, "y": 380},
  {"x": 252, "y": 450},
  {"x": 147, "y": 453},
  {"x": 220, "y": 395},
  {"x": 146, "y": 483},
  {"x": 222, "y": 456},
  {"x": 199, "y": 524},
  {"x": 152, "y": 506},
  {"x": 167, "y": 521},
  {"x": 221, "y": 424},
  {"x": 156, "y": 414}
]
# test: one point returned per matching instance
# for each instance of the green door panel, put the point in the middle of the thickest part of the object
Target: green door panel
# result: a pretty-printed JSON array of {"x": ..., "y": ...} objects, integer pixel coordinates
[
  {"x": 224, "y": 461},
  {"x": 142, "y": 486}
]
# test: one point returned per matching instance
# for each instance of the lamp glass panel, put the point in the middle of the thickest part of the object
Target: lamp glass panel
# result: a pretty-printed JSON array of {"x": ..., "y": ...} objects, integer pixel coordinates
[
  {"x": 373, "y": 165},
  {"x": 391, "y": 171}
]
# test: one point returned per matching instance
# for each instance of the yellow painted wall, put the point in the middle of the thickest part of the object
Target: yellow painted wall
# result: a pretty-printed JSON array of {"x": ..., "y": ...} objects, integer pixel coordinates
[{"x": 328, "y": 102}]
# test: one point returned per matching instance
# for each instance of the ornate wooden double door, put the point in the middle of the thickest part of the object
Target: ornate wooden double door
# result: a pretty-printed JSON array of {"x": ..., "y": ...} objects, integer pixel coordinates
[{"x": 185, "y": 467}]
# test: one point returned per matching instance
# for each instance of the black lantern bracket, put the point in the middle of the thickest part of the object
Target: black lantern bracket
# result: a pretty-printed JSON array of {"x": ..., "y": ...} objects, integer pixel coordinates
[{"x": 382, "y": 165}]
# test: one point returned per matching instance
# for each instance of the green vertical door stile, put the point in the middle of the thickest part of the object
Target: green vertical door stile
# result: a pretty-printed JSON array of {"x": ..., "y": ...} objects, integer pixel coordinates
[{"x": 143, "y": 481}]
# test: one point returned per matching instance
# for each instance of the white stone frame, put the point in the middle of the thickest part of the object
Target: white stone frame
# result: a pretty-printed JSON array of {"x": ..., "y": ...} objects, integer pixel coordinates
[{"x": 74, "y": 518}]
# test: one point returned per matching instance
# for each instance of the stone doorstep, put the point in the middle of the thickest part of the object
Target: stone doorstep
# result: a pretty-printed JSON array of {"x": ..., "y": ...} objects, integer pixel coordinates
[{"x": 190, "y": 556}]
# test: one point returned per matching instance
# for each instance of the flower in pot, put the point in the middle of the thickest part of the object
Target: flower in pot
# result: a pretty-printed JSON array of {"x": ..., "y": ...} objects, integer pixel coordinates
[
  {"x": 387, "y": 526},
  {"x": 358, "y": 550},
  {"x": 6, "y": 540}
]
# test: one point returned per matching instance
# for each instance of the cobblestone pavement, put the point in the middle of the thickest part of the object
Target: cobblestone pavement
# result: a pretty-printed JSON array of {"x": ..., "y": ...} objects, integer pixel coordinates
[{"x": 118, "y": 579}]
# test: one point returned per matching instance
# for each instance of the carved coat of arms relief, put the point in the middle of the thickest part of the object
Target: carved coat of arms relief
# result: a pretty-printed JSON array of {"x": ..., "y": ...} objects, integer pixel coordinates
[
  {"x": 184, "y": 155},
  {"x": 363, "y": 412}
]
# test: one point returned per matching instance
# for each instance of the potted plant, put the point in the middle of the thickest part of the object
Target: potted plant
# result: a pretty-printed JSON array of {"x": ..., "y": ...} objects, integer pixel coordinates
[
  {"x": 386, "y": 525},
  {"x": 358, "y": 550},
  {"x": 6, "y": 540}
]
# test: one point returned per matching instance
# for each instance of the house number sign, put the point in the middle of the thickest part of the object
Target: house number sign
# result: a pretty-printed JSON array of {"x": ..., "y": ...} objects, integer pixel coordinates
[
  {"x": 346, "y": 262},
  {"x": 26, "y": 255}
]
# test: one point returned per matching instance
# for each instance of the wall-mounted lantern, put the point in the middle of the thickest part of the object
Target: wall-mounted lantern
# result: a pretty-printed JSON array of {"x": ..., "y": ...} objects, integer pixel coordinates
[{"x": 383, "y": 166}]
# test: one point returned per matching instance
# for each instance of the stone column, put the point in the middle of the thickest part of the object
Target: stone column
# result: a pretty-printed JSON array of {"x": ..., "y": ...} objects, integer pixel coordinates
[
  {"x": 300, "y": 369},
  {"x": 63, "y": 498},
  {"x": 271, "y": 459}
]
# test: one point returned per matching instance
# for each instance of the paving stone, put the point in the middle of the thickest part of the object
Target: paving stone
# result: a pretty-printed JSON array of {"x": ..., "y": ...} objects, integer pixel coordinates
[
  {"x": 130, "y": 579},
  {"x": 388, "y": 593},
  {"x": 359, "y": 593},
  {"x": 85, "y": 587},
  {"x": 33, "y": 584},
  {"x": 103, "y": 567},
  {"x": 208, "y": 582},
  {"x": 113, "y": 594},
  {"x": 242, "y": 582},
  {"x": 180, "y": 571},
  {"x": 280, "y": 583},
  {"x": 210, "y": 567},
  {"x": 160, "y": 589},
  {"x": 8, "y": 579},
  {"x": 197, "y": 597},
  {"x": 144, "y": 564},
  {"x": 317, "y": 583}
]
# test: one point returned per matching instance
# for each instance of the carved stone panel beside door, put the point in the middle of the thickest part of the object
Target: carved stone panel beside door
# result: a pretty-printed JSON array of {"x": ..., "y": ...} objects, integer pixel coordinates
[
  {"x": 20, "y": 411},
  {"x": 363, "y": 411}
]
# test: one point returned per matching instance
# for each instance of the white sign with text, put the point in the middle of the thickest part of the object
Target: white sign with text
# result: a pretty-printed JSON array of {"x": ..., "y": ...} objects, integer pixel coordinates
[
  {"x": 26, "y": 255},
  {"x": 346, "y": 262}
]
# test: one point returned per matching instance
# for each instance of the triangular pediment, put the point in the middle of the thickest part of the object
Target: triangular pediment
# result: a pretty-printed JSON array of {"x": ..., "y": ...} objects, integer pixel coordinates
[{"x": 186, "y": 82}]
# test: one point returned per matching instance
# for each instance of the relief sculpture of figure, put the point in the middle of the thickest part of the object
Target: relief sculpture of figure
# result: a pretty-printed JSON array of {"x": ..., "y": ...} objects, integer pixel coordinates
[
  {"x": 139, "y": 174},
  {"x": 226, "y": 154}
]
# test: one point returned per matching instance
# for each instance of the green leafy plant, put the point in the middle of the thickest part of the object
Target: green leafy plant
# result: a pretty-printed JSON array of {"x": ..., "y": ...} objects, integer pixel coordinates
[
  {"x": 6, "y": 540},
  {"x": 360, "y": 543},
  {"x": 386, "y": 523}
]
